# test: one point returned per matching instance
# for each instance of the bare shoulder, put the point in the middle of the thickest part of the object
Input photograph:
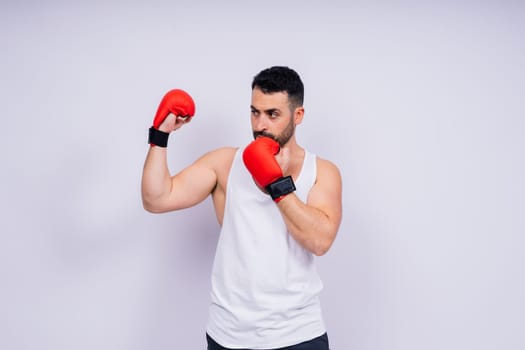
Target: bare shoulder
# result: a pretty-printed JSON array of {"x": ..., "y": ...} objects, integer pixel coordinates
[
  {"x": 218, "y": 158},
  {"x": 327, "y": 171},
  {"x": 326, "y": 194},
  {"x": 219, "y": 161}
]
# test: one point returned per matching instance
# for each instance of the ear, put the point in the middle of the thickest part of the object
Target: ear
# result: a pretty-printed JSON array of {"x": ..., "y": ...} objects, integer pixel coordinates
[{"x": 298, "y": 115}]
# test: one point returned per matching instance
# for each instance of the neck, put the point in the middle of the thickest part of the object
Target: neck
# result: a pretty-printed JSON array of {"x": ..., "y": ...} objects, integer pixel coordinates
[
  {"x": 295, "y": 155},
  {"x": 292, "y": 146}
]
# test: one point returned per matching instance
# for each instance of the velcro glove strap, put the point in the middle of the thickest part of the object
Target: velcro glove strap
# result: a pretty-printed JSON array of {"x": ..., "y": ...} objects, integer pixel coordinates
[
  {"x": 158, "y": 138},
  {"x": 281, "y": 188}
]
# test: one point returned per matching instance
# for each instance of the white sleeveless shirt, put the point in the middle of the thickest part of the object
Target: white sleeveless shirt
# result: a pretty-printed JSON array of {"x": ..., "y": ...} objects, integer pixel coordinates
[{"x": 264, "y": 284}]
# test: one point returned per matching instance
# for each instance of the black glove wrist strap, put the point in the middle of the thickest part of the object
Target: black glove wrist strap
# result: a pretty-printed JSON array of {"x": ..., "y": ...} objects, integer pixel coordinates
[
  {"x": 281, "y": 187},
  {"x": 158, "y": 138}
]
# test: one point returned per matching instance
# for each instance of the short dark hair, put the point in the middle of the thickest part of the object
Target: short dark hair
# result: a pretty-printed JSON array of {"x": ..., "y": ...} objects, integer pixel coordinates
[{"x": 281, "y": 79}]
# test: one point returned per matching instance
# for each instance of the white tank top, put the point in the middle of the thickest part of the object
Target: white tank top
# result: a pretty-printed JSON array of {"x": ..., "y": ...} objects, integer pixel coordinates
[{"x": 264, "y": 284}]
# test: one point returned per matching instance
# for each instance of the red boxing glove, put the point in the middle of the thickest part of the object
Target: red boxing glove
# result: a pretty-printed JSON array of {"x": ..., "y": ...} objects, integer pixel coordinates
[
  {"x": 259, "y": 158},
  {"x": 176, "y": 101}
]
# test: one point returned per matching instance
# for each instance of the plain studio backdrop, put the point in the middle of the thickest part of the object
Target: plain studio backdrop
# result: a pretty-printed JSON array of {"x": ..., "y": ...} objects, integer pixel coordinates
[{"x": 420, "y": 105}]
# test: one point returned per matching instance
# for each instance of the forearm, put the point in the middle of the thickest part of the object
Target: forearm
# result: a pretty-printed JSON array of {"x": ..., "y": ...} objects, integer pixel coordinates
[
  {"x": 309, "y": 226},
  {"x": 156, "y": 180}
]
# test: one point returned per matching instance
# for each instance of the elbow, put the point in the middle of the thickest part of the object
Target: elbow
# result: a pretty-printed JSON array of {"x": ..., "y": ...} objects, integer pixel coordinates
[
  {"x": 158, "y": 205},
  {"x": 322, "y": 244},
  {"x": 320, "y": 251},
  {"x": 321, "y": 248},
  {"x": 152, "y": 202},
  {"x": 150, "y": 207},
  {"x": 154, "y": 210}
]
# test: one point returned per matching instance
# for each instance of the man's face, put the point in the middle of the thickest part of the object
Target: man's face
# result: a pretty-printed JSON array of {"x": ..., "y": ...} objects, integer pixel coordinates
[{"x": 271, "y": 116}]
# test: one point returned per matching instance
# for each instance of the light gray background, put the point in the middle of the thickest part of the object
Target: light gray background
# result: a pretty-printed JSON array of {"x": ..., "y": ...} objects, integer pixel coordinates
[{"x": 419, "y": 104}]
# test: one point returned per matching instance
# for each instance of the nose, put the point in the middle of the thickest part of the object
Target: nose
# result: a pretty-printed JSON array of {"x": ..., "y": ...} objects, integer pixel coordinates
[{"x": 260, "y": 123}]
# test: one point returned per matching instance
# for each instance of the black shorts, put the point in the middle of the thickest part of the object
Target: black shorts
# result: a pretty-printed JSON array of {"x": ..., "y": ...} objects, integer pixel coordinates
[{"x": 319, "y": 343}]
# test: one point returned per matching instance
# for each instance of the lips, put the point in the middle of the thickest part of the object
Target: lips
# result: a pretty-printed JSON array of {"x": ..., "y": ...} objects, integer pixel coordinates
[{"x": 257, "y": 134}]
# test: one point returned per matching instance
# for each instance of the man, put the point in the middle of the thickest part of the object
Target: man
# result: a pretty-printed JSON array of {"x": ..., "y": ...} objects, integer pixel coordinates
[{"x": 277, "y": 204}]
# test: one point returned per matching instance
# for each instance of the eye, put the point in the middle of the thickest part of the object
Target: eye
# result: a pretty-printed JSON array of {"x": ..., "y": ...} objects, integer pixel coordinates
[
  {"x": 274, "y": 114},
  {"x": 254, "y": 112}
]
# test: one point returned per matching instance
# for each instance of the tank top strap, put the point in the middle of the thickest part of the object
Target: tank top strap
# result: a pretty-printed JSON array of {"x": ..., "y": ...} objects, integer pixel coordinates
[{"x": 307, "y": 176}]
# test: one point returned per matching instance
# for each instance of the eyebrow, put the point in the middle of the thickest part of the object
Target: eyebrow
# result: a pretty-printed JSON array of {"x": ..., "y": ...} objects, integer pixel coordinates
[{"x": 266, "y": 111}]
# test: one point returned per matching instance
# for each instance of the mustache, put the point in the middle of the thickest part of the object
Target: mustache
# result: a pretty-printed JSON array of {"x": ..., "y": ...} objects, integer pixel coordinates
[{"x": 265, "y": 134}]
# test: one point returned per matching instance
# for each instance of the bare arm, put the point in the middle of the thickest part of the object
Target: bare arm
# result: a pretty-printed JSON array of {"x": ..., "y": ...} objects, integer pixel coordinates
[
  {"x": 314, "y": 224},
  {"x": 162, "y": 192}
]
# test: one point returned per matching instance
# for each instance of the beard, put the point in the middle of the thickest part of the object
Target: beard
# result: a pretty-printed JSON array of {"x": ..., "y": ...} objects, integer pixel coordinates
[{"x": 283, "y": 138}]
